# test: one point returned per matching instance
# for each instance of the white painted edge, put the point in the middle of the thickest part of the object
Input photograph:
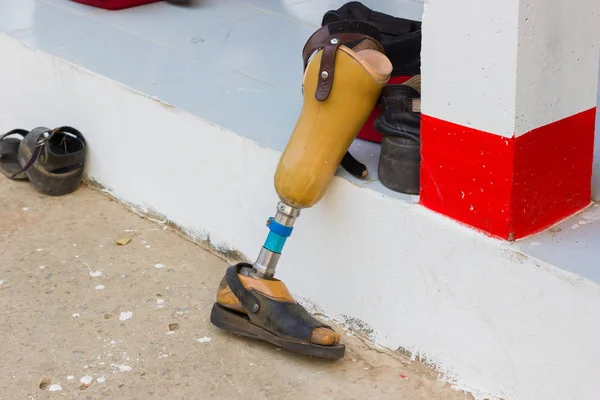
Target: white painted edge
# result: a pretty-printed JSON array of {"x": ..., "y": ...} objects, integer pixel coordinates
[{"x": 495, "y": 322}]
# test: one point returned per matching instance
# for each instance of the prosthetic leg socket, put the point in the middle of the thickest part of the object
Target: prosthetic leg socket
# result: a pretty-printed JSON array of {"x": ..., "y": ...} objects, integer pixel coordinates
[{"x": 341, "y": 86}]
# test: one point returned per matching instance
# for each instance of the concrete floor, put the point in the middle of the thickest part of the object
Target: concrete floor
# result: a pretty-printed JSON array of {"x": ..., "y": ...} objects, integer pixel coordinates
[{"x": 85, "y": 318}]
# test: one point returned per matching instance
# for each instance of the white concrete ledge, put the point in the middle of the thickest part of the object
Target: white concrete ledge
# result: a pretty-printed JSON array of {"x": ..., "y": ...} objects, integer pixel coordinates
[{"x": 497, "y": 323}]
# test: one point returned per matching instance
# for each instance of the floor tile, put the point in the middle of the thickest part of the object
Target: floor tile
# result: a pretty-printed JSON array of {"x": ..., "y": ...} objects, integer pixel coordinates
[
  {"x": 572, "y": 245},
  {"x": 253, "y": 45},
  {"x": 159, "y": 20},
  {"x": 276, "y": 137},
  {"x": 93, "y": 40},
  {"x": 74, "y": 7},
  {"x": 16, "y": 15},
  {"x": 380, "y": 188},
  {"x": 234, "y": 101},
  {"x": 280, "y": 7},
  {"x": 141, "y": 67},
  {"x": 311, "y": 12},
  {"x": 367, "y": 153}
]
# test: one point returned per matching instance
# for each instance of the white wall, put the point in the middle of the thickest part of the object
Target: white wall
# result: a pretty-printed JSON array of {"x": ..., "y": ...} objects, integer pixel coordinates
[
  {"x": 464, "y": 87},
  {"x": 469, "y": 69},
  {"x": 507, "y": 67},
  {"x": 498, "y": 323},
  {"x": 557, "y": 65}
]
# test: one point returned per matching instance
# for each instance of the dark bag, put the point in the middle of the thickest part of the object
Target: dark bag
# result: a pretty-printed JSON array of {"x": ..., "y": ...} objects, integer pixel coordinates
[
  {"x": 401, "y": 41},
  {"x": 400, "y": 38}
]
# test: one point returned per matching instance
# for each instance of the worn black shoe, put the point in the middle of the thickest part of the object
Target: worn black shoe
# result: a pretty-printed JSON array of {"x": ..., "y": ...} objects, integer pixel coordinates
[
  {"x": 400, "y": 125},
  {"x": 53, "y": 160}
]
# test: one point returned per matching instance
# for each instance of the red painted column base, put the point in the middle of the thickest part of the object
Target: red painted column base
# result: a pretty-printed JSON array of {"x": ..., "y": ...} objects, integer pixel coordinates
[{"x": 507, "y": 187}]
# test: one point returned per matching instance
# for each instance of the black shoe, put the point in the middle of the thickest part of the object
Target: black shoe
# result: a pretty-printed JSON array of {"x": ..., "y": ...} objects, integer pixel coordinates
[{"x": 400, "y": 125}]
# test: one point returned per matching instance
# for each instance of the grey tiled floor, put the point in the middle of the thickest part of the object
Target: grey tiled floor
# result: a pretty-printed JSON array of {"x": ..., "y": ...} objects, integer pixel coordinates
[
  {"x": 573, "y": 245},
  {"x": 236, "y": 63}
]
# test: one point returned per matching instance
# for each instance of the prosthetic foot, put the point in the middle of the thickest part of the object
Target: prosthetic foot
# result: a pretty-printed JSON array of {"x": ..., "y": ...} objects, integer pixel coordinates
[{"x": 344, "y": 74}]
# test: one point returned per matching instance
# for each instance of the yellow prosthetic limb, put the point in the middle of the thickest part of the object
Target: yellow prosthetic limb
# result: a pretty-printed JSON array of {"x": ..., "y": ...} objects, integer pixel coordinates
[
  {"x": 341, "y": 86},
  {"x": 326, "y": 129}
]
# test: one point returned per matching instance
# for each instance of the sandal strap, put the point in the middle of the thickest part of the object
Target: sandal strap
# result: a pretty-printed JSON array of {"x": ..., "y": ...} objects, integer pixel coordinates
[
  {"x": 11, "y": 145},
  {"x": 52, "y": 160},
  {"x": 246, "y": 298},
  {"x": 17, "y": 131},
  {"x": 36, "y": 152},
  {"x": 353, "y": 166},
  {"x": 329, "y": 38},
  {"x": 286, "y": 320}
]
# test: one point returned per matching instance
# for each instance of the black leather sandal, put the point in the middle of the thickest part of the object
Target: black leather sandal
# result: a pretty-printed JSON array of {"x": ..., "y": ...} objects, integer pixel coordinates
[
  {"x": 9, "y": 153},
  {"x": 284, "y": 324},
  {"x": 52, "y": 159}
]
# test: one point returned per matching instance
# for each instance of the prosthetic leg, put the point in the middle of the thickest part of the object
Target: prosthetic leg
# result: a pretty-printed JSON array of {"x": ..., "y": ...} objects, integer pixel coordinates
[{"x": 342, "y": 82}]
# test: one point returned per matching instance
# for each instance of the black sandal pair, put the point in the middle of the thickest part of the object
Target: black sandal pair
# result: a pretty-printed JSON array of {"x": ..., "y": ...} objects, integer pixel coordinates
[{"x": 52, "y": 160}]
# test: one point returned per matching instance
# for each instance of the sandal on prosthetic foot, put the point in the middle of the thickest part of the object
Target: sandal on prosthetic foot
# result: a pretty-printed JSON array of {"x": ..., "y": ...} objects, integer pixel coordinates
[{"x": 264, "y": 309}]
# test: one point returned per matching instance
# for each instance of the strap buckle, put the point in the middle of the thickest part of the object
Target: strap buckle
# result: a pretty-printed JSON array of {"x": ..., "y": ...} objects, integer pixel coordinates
[{"x": 45, "y": 137}]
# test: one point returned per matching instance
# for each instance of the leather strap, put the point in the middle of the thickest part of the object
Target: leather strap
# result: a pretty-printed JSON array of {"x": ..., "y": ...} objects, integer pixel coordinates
[
  {"x": 248, "y": 300},
  {"x": 60, "y": 155},
  {"x": 354, "y": 166},
  {"x": 329, "y": 38},
  {"x": 40, "y": 142},
  {"x": 21, "y": 132},
  {"x": 10, "y": 145}
]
